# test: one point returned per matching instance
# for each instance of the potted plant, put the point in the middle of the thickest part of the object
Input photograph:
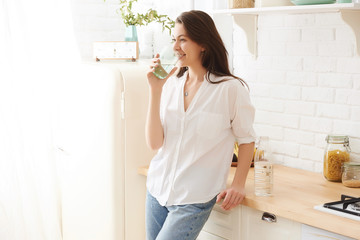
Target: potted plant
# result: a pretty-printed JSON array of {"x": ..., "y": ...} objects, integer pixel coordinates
[{"x": 132, "y": 19}]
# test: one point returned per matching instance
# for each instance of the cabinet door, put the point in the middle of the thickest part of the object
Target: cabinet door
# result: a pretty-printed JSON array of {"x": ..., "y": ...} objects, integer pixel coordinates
[
  {"x": 312, "y": 233},
  {"x": 254, "y": 228},
  {"x": 225, "y": 224},
  {"x": 208, "y": 236}
]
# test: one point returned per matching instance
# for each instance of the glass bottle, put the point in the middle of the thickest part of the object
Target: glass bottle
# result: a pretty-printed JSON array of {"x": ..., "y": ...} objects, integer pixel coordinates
[
  {"x": 263, "y": 168},
  {"x": 351, "y": 174},
  {"x": 337, "y": 152}
]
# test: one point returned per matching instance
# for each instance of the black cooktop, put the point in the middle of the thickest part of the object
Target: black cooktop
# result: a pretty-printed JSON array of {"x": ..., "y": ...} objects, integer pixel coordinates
[{"x": 347, "y": 204}]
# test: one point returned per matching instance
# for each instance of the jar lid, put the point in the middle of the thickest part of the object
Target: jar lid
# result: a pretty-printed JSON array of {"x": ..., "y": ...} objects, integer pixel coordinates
[{"x": 337, "y": 138}]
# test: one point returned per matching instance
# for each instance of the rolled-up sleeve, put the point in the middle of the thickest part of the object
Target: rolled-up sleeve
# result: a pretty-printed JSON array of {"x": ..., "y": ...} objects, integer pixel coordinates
[{"x": 242, "y": 114}]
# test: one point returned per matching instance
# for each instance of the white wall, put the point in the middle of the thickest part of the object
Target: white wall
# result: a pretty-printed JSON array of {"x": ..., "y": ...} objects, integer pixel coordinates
[
  {"x": 96, "y": 20},
  {"x": 305, "y": 84}
]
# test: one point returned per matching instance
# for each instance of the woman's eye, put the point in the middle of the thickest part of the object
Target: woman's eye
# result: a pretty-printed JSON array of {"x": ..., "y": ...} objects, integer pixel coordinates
[{"x": 178, "y": 40}]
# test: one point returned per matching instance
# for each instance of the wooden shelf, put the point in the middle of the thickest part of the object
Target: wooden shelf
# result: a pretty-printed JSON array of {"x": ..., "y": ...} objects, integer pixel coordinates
[
  {"x": 318, "y": 8},
  {"x": 246, "y": 18}
]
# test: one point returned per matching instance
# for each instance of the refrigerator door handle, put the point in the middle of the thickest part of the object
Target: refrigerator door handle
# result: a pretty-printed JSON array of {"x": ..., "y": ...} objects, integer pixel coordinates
[{"x": 122, "y": 103}]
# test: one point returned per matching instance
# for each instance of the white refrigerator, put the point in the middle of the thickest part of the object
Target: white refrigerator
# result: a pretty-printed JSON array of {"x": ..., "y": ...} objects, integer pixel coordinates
[{"x": 100, "y": 140}]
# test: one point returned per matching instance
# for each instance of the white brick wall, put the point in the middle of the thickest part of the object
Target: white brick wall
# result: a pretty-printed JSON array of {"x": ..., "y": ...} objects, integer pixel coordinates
[
  {"x": 305, "y": 84},
  {"x": 96, "y": 20}
]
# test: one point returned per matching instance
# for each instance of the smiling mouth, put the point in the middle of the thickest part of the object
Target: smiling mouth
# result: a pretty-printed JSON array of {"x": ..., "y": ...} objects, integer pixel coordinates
[{"x": 180, "y": 55}]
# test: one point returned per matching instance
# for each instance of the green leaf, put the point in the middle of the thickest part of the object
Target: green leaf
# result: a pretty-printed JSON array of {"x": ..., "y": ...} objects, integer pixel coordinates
[{"x": 139, "y": 19}]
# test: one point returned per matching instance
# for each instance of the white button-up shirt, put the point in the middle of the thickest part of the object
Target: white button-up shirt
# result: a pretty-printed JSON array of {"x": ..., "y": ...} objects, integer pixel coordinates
[{"x": 193, "y": 164}]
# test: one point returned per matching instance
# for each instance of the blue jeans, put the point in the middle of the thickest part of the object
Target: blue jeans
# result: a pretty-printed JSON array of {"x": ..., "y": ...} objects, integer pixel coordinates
[{"x": 178, "y": 222}]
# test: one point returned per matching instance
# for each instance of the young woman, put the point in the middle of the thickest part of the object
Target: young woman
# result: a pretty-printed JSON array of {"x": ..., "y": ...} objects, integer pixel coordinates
[{"x": 193, "y": 120}]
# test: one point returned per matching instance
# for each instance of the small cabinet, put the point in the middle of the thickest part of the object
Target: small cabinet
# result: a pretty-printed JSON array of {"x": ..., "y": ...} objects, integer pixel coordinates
[
  {"x": 222, "y": 225},
  {"x": 208, "y": 236},
  {"x": 257, "y": 225},
  {"x": 245, "y": 223},
  {"x": 312, "y": 233}
]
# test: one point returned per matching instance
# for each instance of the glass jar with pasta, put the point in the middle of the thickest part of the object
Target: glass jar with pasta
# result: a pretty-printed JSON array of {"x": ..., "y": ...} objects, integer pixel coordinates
[{"x": 337, "y": 152}]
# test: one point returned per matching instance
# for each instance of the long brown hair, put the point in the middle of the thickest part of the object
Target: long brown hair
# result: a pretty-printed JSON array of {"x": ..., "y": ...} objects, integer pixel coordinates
[{"x": 201, "y": 29}]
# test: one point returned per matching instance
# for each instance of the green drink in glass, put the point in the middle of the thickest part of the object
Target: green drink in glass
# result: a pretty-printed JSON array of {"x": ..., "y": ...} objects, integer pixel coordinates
[
  {"x": 168, "y": 61},
  {"x": 163, "y": 70}
]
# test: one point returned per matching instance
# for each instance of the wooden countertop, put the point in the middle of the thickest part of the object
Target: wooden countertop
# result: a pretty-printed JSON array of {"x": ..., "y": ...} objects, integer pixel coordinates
[{"x": 296, "y": 192}]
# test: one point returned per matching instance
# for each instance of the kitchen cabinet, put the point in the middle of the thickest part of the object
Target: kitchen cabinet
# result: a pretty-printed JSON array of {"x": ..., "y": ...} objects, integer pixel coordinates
[
  {"x": 208, "y": 236},
  {"x": 254, "y": 226},
  {"x": 223, "y": 224},
  {"x": 245, "y": 223},
  {"x": 312, "y": 233},
  {"x": 246, "y": 18}
]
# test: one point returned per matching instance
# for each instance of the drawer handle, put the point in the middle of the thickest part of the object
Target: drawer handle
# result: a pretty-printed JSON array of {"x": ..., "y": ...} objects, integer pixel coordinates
[{"x": 268, "y": 217}]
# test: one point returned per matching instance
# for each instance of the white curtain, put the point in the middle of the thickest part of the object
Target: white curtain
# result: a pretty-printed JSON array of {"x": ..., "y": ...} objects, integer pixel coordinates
[{"x": 37, "y": 47}]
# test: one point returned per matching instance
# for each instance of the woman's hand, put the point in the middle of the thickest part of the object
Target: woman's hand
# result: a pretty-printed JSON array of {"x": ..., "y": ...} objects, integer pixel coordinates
[
  {"x": 156, "y": 83},
  {"x": 154, "y": 131},
  {"x": 232, "y": 196}
]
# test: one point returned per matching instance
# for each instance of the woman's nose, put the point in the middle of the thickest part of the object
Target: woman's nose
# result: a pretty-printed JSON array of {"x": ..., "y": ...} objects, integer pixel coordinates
[{"x": 175, "y": 45}]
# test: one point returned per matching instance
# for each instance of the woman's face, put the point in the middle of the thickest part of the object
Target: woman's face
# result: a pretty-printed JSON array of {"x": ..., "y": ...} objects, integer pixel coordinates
[{"x": 188, "y": 51}]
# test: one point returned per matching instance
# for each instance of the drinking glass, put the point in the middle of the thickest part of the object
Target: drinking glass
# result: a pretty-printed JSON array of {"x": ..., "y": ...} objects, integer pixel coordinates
[{"x": 168, "y": 61}]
